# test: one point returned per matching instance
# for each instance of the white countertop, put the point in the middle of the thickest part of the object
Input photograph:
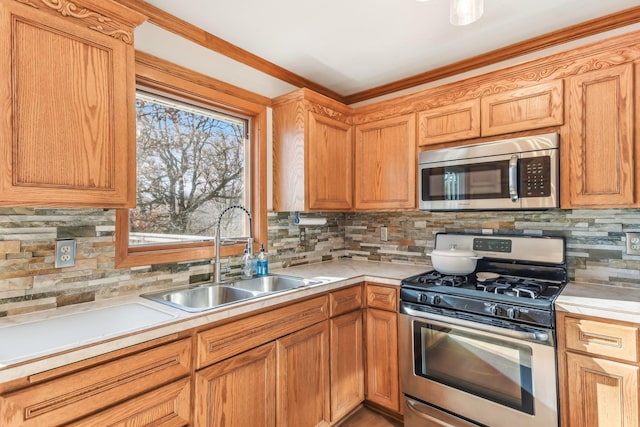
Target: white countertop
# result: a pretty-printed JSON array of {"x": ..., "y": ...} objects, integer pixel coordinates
[
  {"x": 608, "y": 302},
  {"x": 76, "y": 342}
]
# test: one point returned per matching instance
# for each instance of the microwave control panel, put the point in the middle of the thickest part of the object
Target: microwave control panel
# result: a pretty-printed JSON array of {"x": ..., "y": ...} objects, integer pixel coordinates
[{"x": 535, "y": 176}]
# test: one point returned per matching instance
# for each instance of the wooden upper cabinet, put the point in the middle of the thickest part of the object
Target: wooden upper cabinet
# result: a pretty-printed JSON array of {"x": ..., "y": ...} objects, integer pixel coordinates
[
  {"x": 385, "y": 164},
  {"x": 449, "y": 123},
  {"x": 598, "y": 146},
  {"x": 312, "y": 153},
  {"x": 67, "y": 104},
  {"x": 522, "y": 109}
]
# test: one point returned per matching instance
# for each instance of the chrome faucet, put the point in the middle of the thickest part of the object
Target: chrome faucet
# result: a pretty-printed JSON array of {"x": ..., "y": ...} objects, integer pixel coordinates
[{"x": 217, "y": 266}]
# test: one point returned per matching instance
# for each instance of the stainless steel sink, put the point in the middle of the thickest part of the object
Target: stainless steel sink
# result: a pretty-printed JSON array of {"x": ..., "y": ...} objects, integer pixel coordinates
[
  {"x": 208, "y": 296},
  {"x": 201, "y": 298},
  {"x": 273, "y": 283}
]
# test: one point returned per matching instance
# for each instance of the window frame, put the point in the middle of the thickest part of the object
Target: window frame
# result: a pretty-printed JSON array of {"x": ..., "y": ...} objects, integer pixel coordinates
[{"x": 158, "y": 75}]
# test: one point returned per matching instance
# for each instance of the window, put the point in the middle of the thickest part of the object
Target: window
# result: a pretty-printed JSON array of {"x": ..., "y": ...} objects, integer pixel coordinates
[
  {"x": 190, "y": 167},
  {"x": 199, "y": 151}
]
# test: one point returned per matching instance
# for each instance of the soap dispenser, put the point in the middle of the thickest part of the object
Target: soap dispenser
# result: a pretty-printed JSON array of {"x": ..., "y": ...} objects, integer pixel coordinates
[{"x": 263, "y": 263}]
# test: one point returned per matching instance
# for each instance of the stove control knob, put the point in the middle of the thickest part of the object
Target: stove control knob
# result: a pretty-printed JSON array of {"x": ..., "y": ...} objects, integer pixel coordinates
[
  {"x": 435, "y": 299},
  {"x": 513, "y": 313},
  {"x": 422, "y": 297},
  {"x": 493, "y": 310}
]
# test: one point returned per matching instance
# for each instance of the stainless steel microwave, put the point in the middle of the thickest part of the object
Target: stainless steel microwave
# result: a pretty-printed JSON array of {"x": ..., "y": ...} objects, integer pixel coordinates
[{"x": 517, "y": 173}]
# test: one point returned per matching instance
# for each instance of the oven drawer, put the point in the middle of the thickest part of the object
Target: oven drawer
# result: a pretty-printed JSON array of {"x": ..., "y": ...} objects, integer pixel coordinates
[
  {"x": 602, "y": 338},
  {"x": 417, "y": 414}
]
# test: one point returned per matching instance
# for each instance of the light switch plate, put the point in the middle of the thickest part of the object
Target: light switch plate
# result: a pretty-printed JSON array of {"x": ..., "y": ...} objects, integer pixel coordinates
[
  {"x": 65, "y": 253},
  {"x": 384, "y": 236},
  {"x": 633, "y": 243}
]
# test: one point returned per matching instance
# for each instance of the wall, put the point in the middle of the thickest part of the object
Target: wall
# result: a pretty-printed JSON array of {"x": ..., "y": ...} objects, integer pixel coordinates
[{"x": 29, "y": 281}]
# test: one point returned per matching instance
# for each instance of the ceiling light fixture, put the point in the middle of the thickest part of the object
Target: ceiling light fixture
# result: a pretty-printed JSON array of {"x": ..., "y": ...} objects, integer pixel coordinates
[{"x": 464, "y": 12}]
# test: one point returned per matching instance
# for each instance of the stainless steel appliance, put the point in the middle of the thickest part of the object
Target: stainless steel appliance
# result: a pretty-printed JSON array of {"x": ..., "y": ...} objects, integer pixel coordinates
[
  {"x": 480, "y": 349},
  {"x": 517, "y": 173}
]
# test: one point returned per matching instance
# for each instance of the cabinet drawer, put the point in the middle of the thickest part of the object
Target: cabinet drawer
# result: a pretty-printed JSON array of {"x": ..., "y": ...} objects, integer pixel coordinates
[
  {"x": 382, "y": 297},
  {"x": 602, "y": 338},
  {"x": 166, "y": 406},
  {"x": 345, "y": 300},
  {"x": 233, "y": 338},
  {"x": 73, "y": 396}
]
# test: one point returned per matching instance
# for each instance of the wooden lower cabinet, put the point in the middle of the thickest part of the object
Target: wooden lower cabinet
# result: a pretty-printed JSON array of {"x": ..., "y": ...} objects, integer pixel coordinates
[
  {"x": 131, "y": 390},
  {"x": 302, "y": 392},
  {"x": 239, "y": 391},
  {"x": 599, "y": 371},
  {"x": 382, "y": 358},
  {"x": 347, "y": 370}
]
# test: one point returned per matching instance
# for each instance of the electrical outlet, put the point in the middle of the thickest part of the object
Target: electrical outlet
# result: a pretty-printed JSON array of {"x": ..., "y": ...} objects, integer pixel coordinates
[
  {"x": 65, "y": 253},
  {"x": 303, "y": 236},
  {"x": 384, "y": 236},
  {"x": 633, "y": 243}
]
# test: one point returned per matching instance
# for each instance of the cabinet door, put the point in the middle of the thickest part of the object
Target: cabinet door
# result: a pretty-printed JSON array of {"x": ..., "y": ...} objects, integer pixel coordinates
[
  {"x": 385, "y": 162},
  {"x": 602, "y": 393},
  {"x": 382, "y": 358},
  {"x": 239, "y": 391},
  {"x": 450, "y": 123},
  {"x": 303, "y": 378},
  {"x": 598, "y": 163},
  {"x": 67, "y": 137},
  {"x": 330, "y": 160},
  {"x": 521, "y": 109},
  {"x": 347, "y": 372}
]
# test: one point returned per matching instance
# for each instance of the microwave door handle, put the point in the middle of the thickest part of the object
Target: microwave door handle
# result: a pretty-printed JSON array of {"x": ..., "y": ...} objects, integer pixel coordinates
[{"x": 513, "y": 178}]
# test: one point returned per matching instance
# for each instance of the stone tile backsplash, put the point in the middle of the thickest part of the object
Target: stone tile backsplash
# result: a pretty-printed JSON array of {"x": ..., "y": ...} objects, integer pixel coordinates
[{"x": 29, "y": 281}]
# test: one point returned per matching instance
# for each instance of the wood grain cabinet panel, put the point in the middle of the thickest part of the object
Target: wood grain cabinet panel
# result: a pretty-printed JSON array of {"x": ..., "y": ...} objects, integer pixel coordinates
[
  {"x": 312, "y": 153},
  {"x": 68, "y": 85},
  {"x": 598, "y": 147},
  {"x": 382, "y": 377},
  {"x": 302, "y": 395},
  {"x": 449, "y": 123},
  {"x": 602, "y": 338},
  {"x": 71, "y": 397},
  {"x": 603, "y": 393},
  {"x": 386, "y": 159},
  {"x": 347, "y": 364},
  {"x": 239, "y": 391},
  {"x": 522, "y": 109},
  {"x": 382, "y": 297},
  {"x": 167, "y": 406},
  {"x": 345, "y": 300}
]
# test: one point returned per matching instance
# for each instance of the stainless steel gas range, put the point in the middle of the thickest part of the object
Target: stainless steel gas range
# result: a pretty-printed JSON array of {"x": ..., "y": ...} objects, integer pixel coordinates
[{"x": 480, "y": 349}]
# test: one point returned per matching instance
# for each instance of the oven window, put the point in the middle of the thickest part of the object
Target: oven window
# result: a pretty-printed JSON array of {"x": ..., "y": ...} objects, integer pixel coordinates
[
  {"x": 466, "y": 182},
  {"x": 487, "y": 367}
]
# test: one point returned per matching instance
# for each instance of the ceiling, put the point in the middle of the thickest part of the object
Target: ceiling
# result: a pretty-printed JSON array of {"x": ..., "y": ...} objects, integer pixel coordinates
[{"x": 351, "y": 46}]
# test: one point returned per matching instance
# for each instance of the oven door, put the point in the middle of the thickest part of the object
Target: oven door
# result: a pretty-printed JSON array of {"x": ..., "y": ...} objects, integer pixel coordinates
[{"x": 491, "y": 375}]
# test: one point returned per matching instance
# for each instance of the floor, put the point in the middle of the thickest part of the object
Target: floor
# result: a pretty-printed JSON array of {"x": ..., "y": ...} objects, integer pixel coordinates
[{"x": 365, "y": 417}]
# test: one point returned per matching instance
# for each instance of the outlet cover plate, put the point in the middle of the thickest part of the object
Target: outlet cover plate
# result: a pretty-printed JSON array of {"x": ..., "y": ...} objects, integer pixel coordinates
[
  {"x": 633, "y": 243},
  {"x": 65, "y": 253},
  {"x": 384, "y": 235}
]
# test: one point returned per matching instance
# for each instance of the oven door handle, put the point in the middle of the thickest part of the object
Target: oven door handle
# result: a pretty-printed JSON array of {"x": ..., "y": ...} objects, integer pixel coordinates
[{"x": 446, "y": 322}]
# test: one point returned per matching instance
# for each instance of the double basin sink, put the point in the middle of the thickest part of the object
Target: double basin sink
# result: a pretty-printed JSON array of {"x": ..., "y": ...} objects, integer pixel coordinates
[{"x": 210, "y": 295}]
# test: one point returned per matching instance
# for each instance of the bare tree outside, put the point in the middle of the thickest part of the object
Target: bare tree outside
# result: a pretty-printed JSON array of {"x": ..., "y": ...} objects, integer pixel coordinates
[{"x": 190, "y": 166}]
